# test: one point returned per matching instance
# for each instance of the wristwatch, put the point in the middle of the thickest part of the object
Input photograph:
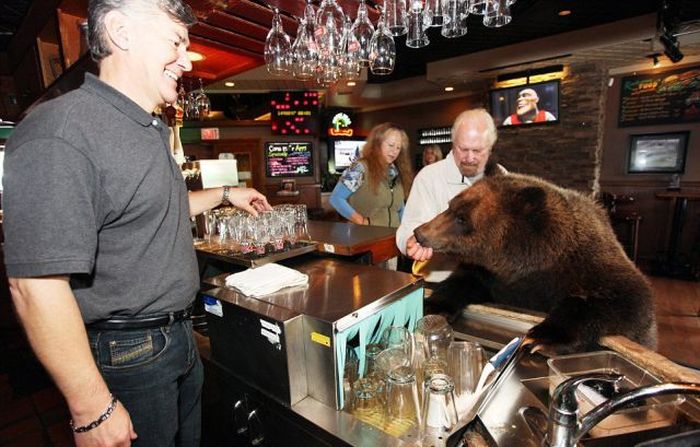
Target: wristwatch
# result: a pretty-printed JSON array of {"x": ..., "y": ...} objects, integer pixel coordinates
[{"x": 224, "y": 197}]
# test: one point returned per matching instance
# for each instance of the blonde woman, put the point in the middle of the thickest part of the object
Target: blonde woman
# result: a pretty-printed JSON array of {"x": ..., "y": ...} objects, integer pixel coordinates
[
  {"x": 373, "y": 190},
  {"x": 431, "y": 154}
]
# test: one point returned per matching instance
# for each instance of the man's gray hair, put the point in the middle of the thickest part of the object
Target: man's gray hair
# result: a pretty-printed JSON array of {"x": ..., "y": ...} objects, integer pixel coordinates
[
  {"x": 98, "y": 9},
  {"x": 479, "y": 116}
]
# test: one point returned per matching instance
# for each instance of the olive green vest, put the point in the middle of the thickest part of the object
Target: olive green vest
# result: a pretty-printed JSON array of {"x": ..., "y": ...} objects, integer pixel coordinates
[{"x": 381, "y": 207}]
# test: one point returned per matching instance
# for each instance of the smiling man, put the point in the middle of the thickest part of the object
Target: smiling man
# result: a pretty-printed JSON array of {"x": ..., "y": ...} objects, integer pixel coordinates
[
  {"x": 98, "y": 247},
  {"x": 527, "y": 111}
]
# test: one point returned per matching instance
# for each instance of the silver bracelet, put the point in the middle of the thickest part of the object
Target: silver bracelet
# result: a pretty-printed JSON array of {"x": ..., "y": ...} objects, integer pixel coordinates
[{"x": 103, "y": 417}]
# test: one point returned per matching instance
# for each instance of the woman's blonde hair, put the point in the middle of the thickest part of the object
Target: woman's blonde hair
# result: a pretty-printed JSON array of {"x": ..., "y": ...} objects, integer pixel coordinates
[
  {"x": 433, "y": 149},
  {"x": 377, "y": 166}
]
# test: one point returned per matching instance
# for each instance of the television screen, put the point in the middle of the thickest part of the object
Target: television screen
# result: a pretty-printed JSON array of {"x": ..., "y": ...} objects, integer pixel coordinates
[
  {"x": 289, "y": 159},
  {"x": 526, "y": 104},
  {"x": 345, "y": 152}
]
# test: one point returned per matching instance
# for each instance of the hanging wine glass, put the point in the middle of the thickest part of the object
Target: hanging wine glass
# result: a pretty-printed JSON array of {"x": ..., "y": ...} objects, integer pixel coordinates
[
  {"x": 304, "y": 53},
  {"x": 329, "y": 60},
  {"x": 277, "y": 48},
  {"x": 191, "y": 111},
  {"x": 363, "y": 29},
  {"x": 455, "y": 18},
  {"x": 350, "y": 53},
  {"x": 382, "y": 49},
  {"x": 417, "y": 37},
  {"x": 433, "y": 15},
  {"x": 203, "y": 102},
  {"x": 328, "y": 8},
  {"x": 396, "y": 17},
  {"x": 497, "y": 14}
]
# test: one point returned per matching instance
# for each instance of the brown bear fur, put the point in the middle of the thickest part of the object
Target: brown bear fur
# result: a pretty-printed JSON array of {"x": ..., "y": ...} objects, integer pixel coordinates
[{"x": 527, "y": 243}]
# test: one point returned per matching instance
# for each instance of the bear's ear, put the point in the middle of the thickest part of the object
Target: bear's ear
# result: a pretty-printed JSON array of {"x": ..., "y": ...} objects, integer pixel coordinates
[{"x": 530, "y": 203}]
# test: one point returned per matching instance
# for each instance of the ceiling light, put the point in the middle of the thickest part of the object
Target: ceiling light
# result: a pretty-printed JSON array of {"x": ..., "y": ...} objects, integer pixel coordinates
[
  {"x": 564, "y": 12},
  {"x": 449, "y": 89},
  {"x": 351, "y": 83},
  {"x": 194, "y": 56},
  {"x": 230, "y": 84}
]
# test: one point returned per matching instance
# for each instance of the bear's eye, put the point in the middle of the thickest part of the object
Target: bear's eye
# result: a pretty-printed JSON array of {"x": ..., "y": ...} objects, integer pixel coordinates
[{"x": 460, "y": 220}]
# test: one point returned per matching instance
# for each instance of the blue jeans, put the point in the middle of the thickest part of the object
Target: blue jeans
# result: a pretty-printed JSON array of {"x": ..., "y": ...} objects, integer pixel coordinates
[{"x": 157, "y": 375}]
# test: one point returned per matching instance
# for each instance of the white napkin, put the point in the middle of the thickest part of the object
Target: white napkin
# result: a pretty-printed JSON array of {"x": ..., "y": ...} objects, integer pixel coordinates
[{"x": 266, "y": 279}]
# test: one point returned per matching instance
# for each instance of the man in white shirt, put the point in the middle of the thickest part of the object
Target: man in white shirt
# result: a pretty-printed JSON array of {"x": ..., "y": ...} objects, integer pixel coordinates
[{"x": 473, "y": 136}]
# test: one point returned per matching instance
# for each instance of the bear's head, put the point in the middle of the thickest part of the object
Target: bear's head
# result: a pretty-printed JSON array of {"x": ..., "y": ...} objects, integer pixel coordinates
[{"x": 511, "y": 225}]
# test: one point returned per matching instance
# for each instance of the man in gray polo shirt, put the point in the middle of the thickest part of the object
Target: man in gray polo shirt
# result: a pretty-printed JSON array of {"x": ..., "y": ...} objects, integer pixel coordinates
[{"x": 97, "y": 235}]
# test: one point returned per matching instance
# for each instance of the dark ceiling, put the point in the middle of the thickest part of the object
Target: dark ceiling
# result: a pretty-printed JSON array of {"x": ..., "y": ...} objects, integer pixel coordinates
[{"x": 231, "y": 33}]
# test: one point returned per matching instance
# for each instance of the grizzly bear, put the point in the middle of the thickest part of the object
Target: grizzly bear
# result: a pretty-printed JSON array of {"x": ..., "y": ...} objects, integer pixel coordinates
[{"x": 527, "y": 243}]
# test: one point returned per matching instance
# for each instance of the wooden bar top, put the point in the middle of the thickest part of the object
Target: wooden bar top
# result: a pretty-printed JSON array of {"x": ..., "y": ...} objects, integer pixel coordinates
[{"x": 350, "y": 239}]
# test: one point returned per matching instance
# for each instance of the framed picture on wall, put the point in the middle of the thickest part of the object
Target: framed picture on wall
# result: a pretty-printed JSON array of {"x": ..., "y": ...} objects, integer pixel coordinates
[{"x": 657, "y": 153}]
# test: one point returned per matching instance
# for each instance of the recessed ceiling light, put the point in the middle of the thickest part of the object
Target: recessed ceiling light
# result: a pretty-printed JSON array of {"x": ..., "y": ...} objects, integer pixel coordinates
[
  {"x": 564, "y": 12},
  {"x": 194, "y": 56},
  {"x": 449, "y": 89},
  {"x": 230, "y": 84},
  {"x": 351, "y": 83}
]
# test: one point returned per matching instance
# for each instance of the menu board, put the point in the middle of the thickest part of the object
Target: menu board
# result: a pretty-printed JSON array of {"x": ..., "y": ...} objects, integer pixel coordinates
[
  {"x": 663, "y": 98},
  {"x": 289, "y": 159}
]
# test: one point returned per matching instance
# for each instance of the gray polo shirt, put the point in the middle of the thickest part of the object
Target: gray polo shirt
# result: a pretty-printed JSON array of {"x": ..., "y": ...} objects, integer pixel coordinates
[{"x": 91, "y": 191}]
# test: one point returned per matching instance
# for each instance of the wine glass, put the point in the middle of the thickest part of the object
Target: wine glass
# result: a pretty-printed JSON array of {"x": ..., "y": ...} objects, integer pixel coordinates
[
  {"x": 277, "y": 48},
  {"x": 304, "y": 53},
  {"x": 455, "y": 14},
  {"x": 363, "y": 29},
  {"x": 497, "y": 14},
  {"x": 382, "y": 50},
  {"x": 203, "y": 102},
  {"x": 433, "y": 13},
  {"x": 395, "y": 17},
  {"x": 350, "y": 53},
  {"x": 417, "y": 37},
  {"x": 329, "y": 44}
]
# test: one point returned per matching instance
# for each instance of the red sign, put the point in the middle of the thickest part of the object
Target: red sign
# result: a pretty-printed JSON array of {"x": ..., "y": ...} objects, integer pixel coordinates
[{"x": 209, "y": 133}]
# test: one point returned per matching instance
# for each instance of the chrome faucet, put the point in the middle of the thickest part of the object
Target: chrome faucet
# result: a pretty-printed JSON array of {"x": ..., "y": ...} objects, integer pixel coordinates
[{"x": 564, "y": 427}]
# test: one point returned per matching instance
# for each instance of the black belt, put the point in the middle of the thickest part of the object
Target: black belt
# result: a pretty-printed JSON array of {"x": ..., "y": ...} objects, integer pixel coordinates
[{"x": 147, "y": 322}]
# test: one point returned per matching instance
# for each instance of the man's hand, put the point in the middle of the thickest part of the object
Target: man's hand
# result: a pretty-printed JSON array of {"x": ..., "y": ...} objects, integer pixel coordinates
[
  {"x": 248, "y": 199},
  {"x": 416, "y": 251},
  {"x": 117, "y": 431}
]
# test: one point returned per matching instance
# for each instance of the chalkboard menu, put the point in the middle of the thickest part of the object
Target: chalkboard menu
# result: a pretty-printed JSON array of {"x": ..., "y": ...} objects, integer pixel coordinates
[
  {"x": 663, "y": 98},
  {"x": 289, "y": 159}
]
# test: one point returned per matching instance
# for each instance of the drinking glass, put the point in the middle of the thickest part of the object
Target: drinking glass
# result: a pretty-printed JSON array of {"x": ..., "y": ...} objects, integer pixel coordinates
[
  {"x": 433, "y": 15},
  {"x": 395, "y": 16},
  {"x": 371, "y": 352},
  {"x": 478, "y": 6},
  {"x": 465, "y": 360},
  {"x": 301, "y": 223},
  {"x": 497, "y": 14},
  {"x": 436, "y": 334},
  {"x": 439, "y": 413},
  {"x": 350, "y": 374},
  {"x": 398, "y": 337},
  {"x": 456, "y": 13},
  {"x": 366, "y": 403},
  {"x": 278, "y": 48},
  {"x": 382, "y": 50},
  {"x": 390, "y": 359},
  {"x": 402, "y": 404},
  {"x": 363, "y": 29},
  {"x": 417, "y": 37}
]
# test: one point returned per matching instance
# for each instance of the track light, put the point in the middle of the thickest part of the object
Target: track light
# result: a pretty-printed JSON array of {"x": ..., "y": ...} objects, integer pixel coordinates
[{"x": 671, "y": 48}]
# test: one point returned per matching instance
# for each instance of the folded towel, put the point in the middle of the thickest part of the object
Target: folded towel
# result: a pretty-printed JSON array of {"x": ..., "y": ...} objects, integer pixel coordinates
[{"x": 266, "y": 279}]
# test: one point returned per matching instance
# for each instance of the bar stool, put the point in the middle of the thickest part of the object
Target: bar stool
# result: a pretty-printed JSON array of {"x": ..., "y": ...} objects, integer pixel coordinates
[{"x": 624, "y": 221}]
